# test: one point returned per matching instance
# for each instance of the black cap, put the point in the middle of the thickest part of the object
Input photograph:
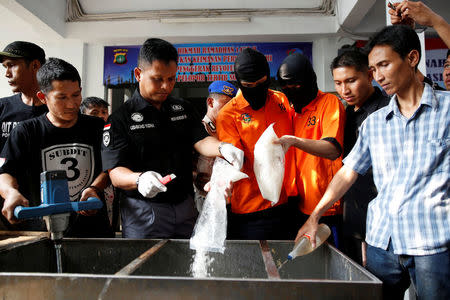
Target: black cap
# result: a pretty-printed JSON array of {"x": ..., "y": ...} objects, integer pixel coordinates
[{"x": 20, "y": 49}]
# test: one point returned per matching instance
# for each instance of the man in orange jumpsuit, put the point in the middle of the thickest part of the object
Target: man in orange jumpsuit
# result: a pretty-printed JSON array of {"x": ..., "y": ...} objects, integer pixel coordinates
[
  {"x": 241, "y": 122},
  {"x": 318, "y": 121}
]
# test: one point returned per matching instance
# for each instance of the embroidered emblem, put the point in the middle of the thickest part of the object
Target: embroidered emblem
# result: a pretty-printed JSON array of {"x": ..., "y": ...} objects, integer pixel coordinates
[
  {"x": 106, "y": 138},
  {"x": 107, "y": 127},
  {"x": 137, "y": 117},
  {"x": 246, "y": 118},
  {"x": 177, "y": 107},
  {"x": 227, "y": 90}
]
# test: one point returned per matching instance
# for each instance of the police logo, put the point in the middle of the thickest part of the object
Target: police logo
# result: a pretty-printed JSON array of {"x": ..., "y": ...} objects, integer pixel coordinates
[
  {"x": 78, "y": 162},
  {"x": 246, "y": 118},
  {"x": 227, "y": 90},
  {"x": 137, "y": 117},
  {"x": 120, "y": 58},
  {"x": 177, "y": 107},
  {"x": 106, "y": 138}
]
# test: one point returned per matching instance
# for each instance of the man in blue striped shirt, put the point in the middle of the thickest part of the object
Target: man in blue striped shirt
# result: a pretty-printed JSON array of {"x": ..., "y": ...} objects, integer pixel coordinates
[{"x": 407, "y": 144}]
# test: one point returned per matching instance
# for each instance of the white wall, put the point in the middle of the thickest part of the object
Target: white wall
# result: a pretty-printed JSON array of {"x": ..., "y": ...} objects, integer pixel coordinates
[{"x": 69, "y": 50}]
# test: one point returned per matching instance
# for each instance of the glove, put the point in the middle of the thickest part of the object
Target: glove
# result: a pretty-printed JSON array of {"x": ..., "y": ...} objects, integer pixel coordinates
[
  {"x": 149, "y": 184},
  {"x": 232, "y": 154}
]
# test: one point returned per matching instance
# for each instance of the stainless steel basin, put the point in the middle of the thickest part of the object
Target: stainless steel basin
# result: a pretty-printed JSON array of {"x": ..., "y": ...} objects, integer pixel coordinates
[{"x": 127, "y": 269}]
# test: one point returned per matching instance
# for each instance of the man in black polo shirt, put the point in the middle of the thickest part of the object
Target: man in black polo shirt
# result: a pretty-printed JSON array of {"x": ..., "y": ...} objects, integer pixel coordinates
[
  {"x": 151, "y": 136},
  {"x": 21, "y": 60},
  {"x": 353, "y": 82}
]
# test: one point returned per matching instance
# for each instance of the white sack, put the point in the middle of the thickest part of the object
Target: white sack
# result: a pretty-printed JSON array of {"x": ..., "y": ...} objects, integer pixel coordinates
[
  {"x": 269, "y": 165},
  {"x": 210, "y": 230}
]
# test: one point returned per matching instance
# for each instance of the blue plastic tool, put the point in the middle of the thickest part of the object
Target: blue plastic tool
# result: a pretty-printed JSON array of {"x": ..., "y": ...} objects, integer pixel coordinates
[{"x": 55, "y": 198}]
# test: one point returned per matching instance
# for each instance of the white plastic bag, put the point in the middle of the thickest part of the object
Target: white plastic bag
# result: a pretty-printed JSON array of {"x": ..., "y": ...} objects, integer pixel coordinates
[
  {"x": 210, "y": 230},
  {"x": 269, "y": 165}
]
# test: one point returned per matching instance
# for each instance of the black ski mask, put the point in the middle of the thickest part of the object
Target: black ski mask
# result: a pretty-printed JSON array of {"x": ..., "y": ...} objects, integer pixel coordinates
[
  {"x": 296, "y": 69},
  {"x": 251, "y": 65}
]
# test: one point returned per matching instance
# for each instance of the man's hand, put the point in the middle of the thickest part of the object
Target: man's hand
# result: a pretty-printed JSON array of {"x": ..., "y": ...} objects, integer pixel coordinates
[
  {"x": 232, "y": 154},
  {"x": 88, "y": 192},
  {"x": 13, "y": 200},
  {"x": 150, "y": 185},
  {"x": 286, "y": 141},
  {"x": 408, "y": 12},
  {"x": 308, "y": 229},
  {"x": 227, "y": 192}
]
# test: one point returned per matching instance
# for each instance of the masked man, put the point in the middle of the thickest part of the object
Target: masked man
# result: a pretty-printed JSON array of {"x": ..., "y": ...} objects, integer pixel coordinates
[
  {"x": 241, "y": 122},
  {"x": 318, "y": 120}
]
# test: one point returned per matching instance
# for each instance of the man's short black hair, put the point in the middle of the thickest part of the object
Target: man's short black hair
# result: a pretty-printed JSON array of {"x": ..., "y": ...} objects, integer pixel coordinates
[
  {"x": 448, "y": 53},
  {"x": 157, "y": 49},
  {"x": 351, "y": 58},
  {"x": 92, "y": 101},
  {"x": 56, "y": 69},
  {"x": 401, "y": 38}
]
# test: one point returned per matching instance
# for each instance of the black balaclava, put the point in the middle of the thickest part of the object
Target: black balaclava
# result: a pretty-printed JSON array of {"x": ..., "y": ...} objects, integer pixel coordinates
[
  {"x": 251, "y": 65},
  {"x": 296, "y": 69}
]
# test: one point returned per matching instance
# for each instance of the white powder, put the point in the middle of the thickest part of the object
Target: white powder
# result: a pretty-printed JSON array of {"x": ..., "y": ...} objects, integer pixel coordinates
[{"x": 201, "y": 263}]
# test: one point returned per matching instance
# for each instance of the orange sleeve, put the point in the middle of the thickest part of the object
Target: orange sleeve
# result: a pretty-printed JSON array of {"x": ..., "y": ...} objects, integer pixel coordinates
[
  {"x": 333, "y": 119},
  {"x": 226, "y": 127}
]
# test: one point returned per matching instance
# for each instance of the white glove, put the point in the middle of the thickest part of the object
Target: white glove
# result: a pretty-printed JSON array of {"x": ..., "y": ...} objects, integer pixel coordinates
[
  {"x": 232, "y": 154},
  {"x": 149, "y": 184}
]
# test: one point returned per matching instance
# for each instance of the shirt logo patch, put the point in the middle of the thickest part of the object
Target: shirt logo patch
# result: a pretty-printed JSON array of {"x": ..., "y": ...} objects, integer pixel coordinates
[
  {"x": 78, "y": 162},
  {"x": 177, "y": 107},
  {"x": 107, "y": 127},
  {"x": 182, "y": 117},
  {"x": 246, "y": 118},
  {"x": 137, "y": 117},
  {"x": 106, "y": 138},
  {"x": 142, "y": 126}
]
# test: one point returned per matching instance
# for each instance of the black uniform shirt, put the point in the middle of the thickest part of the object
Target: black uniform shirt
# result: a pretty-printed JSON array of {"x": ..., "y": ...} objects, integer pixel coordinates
[
  {"x": 12, "y": 111},
  {"x": 363, "y": 190},
  {"x": 142, "y": 138},
  {"x": 37, "y": 145}
]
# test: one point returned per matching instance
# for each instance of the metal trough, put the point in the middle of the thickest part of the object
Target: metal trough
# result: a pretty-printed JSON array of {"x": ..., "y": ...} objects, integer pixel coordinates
[{"x": 142, "y": 269}]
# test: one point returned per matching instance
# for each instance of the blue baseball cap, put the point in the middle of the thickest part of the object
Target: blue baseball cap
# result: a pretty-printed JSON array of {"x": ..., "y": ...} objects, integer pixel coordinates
[{"x": 222, "y": 87}]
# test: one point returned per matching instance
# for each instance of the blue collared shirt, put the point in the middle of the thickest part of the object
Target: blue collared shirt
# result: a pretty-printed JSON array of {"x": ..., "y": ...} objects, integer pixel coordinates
[{"x": 411, "y": 168}]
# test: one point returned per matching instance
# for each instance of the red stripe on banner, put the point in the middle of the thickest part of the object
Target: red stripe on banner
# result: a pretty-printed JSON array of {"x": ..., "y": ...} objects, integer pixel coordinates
[{"x": 434, "y": 43}]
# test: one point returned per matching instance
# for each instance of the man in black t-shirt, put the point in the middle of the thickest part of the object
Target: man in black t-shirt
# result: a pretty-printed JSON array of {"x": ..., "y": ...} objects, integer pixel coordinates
[
  {"x": 152, "y": 135},
  {"x": 353, "y": 82},
  {"x": 21, "y": 60},
  {"x": 62, "y": 139}
]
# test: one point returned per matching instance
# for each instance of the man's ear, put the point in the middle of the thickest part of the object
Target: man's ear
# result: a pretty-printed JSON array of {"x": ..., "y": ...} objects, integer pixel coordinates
[
  {"x": 41, "y": 97},
  {"x": 413, "y": 58},
  {"x": 35, "y": 65},
  {"x": 210, "y": 102},
  {"x": 137, "y": 74}
]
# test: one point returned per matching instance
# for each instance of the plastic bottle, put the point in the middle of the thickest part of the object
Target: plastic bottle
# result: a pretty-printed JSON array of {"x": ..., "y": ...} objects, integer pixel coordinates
[{"x": 303, "y": 246}]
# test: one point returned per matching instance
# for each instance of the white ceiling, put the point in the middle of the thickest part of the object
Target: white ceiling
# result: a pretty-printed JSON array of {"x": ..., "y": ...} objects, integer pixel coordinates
[{"x": 282, "y": 20}]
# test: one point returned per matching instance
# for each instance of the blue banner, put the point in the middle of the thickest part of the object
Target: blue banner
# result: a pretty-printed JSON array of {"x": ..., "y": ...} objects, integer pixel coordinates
[{"x": 198, "y": 62}]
